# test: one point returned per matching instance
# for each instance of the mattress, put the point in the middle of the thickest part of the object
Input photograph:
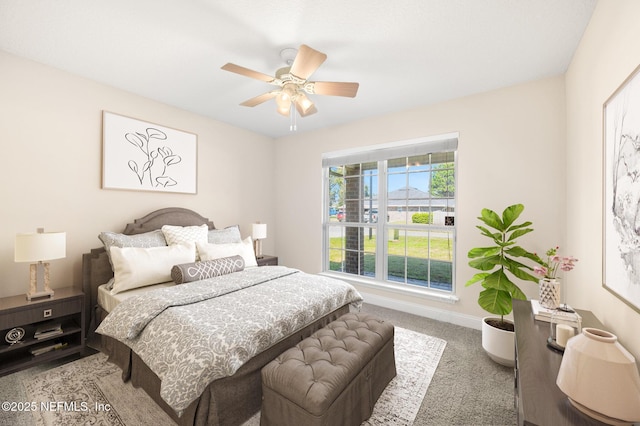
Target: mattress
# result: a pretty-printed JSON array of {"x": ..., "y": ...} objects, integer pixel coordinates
[{"x": 108, "y": 301}]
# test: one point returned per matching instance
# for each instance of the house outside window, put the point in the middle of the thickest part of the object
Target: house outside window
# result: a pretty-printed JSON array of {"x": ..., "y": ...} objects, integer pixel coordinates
[{"x": 389, "y": 214}]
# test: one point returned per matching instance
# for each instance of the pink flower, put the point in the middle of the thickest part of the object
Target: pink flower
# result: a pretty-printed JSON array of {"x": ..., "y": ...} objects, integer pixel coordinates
[
  {"x": 554, "y": 261},
  {"x": 540, "y": 270}
]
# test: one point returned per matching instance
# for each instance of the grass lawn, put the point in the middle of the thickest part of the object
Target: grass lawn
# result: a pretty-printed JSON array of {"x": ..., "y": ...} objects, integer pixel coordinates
[{"x": 417, "y": 257}]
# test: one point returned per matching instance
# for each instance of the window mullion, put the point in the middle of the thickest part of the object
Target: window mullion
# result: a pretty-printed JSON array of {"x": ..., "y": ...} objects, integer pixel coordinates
[
  {"x": 382, "y": 226},
  {"x": 325, "y": 219}
]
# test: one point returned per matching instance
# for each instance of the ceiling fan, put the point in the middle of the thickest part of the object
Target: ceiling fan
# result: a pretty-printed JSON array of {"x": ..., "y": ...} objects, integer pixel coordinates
[{"x": 293, "y": 82}]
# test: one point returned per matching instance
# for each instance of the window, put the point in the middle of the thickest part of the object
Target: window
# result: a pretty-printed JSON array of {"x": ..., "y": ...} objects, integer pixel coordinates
[{"x": 390, "y": 214}]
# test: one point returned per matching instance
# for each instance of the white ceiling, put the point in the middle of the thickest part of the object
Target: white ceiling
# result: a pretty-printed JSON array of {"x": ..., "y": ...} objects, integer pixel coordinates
[{"x": 404, "y": 53}]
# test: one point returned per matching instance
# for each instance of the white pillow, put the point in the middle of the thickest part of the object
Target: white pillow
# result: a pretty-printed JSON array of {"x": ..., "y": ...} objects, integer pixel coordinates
[
  {"x": 185, "y": 234},
  {"x": 217, "y": 251},
  {"x": 135, "y": 267}
]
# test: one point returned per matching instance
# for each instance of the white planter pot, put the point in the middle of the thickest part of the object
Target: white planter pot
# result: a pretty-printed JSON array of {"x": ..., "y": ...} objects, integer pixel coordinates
[{"x": 498, "y": 344}]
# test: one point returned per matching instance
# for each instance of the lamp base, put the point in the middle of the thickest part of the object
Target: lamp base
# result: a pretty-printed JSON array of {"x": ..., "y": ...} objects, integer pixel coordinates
[
  {"x": 258, "y": 249},
  {"x": 39, "y": 294},
  {"x": 38, "y": 273},
  {"x": 598, "y": 416}
]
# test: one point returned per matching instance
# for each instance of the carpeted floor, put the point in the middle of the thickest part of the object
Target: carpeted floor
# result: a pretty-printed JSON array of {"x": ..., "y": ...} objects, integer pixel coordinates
[
  {"x": 466, "y": 388},
  {"x": 91, "y": 391}
]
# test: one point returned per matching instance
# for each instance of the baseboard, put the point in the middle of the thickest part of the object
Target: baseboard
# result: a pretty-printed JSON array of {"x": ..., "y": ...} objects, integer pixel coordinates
[{"x": 452, "y": 317}]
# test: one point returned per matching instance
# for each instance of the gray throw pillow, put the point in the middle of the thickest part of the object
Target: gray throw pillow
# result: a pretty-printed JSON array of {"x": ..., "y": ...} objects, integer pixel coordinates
[
  {"x": 227, "y": 235},
  {"x": 144, "y": 240}
]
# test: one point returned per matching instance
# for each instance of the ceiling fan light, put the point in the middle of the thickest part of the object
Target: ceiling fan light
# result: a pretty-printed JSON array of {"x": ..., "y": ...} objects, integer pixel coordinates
[
  {"x": 284, "y": 109},
  {"x": 305, "y": 103},
  {"x": 283, "y": 100}
]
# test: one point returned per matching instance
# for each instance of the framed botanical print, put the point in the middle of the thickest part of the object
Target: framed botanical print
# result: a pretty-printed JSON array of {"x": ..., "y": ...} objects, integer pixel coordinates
[{"x": 144, "y": 156}]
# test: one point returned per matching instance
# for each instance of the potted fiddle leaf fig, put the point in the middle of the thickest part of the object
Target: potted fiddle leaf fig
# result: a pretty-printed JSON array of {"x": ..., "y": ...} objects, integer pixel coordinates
[{"x": 499, "y": 265}]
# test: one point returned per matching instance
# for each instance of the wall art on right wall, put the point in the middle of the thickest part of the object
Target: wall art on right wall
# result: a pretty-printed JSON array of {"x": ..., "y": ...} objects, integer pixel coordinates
[{"x": 621, "y": 255}]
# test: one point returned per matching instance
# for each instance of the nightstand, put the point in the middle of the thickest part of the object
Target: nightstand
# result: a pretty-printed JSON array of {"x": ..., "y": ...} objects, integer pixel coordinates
[
  {"x": 65, "y": 308},
  {"x": 267, "y": 260}
]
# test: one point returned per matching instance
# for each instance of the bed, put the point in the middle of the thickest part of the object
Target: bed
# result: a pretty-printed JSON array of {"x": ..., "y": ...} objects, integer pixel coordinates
[{"x": 233, "y": 394}]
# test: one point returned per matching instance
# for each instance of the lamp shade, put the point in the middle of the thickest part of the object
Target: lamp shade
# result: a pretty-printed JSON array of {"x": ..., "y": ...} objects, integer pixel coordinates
[
  {"x": 600, "y": 377},
  {"x": 39, "y": 246},
  {"x": 259, "y": 231}
]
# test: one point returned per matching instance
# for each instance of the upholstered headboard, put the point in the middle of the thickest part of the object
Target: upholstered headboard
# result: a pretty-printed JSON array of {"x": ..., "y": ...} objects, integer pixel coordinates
[{"x": 96, "y": 269}]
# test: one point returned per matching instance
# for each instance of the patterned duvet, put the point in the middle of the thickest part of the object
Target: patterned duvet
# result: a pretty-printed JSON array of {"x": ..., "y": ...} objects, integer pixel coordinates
[{"x": 192, "y": 334}]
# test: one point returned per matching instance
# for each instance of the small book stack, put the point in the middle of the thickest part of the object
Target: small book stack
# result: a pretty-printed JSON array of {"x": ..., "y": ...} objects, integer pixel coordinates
[
  {"x": 48, "y": 329},
  {"x": 48, "y": 348},
  {"x": 544, "y": 314}
]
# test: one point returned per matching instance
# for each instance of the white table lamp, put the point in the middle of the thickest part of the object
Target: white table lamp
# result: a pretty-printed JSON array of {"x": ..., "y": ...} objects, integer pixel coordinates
[
  {"x": 37, "y": 248},
  {"x": 258, "y": 233}
]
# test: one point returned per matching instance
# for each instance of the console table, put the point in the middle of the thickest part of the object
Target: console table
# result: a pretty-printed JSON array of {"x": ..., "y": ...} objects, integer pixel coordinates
[{"x": 538, "y": 399}]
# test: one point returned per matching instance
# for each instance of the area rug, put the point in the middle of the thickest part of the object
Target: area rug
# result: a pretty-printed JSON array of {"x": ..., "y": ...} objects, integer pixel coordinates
[{"x": 90, "y": 390}]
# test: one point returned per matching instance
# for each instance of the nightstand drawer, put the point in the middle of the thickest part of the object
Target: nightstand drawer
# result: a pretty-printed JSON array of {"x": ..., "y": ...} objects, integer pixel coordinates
[
  {"x": 41, "y": 311},
  {"x": 268, "y": 260}
]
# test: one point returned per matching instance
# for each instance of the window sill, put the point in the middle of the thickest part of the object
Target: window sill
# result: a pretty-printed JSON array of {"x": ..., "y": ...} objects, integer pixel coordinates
[{"x": 410, "y": 291}]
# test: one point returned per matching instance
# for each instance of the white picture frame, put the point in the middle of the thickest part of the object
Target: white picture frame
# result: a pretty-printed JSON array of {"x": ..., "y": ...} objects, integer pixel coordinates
[
  {"x": 144, "y": 156},
  {"x": 621, "y": 216}
]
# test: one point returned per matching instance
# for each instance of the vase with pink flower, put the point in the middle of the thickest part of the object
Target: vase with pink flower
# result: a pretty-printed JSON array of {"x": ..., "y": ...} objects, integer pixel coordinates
[{"x": 549, "y": 289}]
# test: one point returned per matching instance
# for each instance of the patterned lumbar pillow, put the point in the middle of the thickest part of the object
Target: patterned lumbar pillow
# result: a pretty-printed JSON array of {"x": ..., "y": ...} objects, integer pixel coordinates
[{"x": 195, "y": 271}]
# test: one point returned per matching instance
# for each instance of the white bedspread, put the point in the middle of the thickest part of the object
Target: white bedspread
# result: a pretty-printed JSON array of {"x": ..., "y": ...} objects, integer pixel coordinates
[{"x": 108, "y": 301}]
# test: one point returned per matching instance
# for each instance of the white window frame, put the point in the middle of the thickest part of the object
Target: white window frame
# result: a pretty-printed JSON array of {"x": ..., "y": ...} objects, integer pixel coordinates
[{"x": 420, "y": 146}]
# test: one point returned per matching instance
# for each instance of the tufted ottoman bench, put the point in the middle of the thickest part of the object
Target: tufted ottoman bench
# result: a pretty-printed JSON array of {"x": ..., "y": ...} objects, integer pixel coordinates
[{"x": 333, "y": 377}]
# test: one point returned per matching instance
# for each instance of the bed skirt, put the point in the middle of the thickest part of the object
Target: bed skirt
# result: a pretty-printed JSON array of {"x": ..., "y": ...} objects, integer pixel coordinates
[{"x": 228, "y": 401}]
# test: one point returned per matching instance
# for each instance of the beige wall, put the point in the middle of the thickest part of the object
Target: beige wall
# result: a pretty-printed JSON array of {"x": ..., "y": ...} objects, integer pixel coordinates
[
  {"x": 608, "y": 53},
  {"x": 50, "y": 167},
  {"x": 511, "y": 150}
]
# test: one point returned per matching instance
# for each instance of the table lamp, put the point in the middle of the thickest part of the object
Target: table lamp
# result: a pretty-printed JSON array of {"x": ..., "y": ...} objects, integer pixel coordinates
[
  {"x": 38, "y": 248},
  {"x": 258, "y": 233}
]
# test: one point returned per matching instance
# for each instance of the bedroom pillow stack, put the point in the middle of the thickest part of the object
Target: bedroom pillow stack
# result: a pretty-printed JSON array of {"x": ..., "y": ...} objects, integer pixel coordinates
[{"x": 148, "y": 258}]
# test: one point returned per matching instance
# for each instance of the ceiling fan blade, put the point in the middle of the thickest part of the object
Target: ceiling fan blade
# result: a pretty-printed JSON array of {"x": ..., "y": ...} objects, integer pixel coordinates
[
  {"x": 247, "y": 72},
  {"x": 304, "y": 106},
  {"x": 259, "y": 99},
  {"x": 335, "y": 89},
  {"x": 306, "y": 62}
]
